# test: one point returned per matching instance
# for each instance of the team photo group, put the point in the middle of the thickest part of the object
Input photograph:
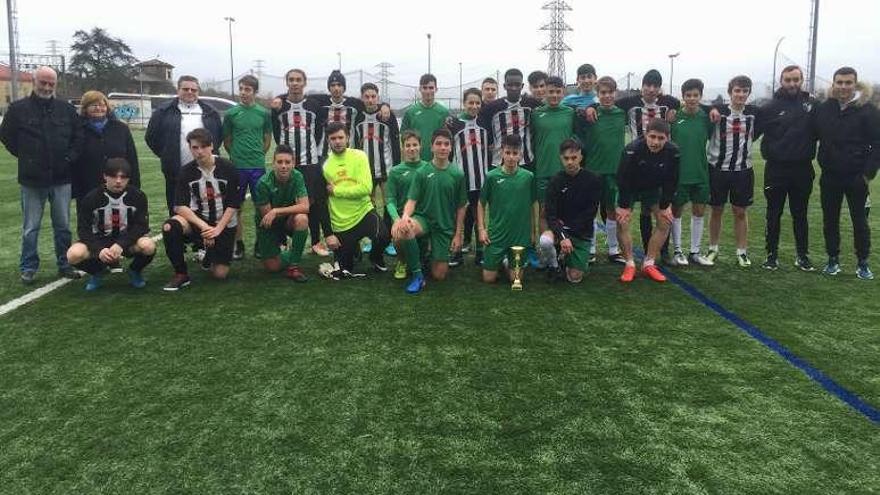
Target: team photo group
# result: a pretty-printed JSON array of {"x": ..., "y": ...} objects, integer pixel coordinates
[{"x": 523, "y": 176}]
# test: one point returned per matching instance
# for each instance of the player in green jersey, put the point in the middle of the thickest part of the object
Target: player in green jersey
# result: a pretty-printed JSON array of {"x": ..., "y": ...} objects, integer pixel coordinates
[
  {"x": 399, "y": 179},
  {"x": 426, "y": 115},
  {"x": 691, "y": 130},
  {"x": 247, "y": 134},
  {"x": 282, "y": 205},
  {"x": 435, "y": 209},
  {"x": 551, "y": 124},
  {"x": 604, "y": 142},
  {"x": 509, "y": 193}
]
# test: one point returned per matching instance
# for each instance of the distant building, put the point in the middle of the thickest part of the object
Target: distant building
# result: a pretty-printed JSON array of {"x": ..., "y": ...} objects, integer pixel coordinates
[
  {"x": 155, "y": 76},
  {"x": 25, "y": 85}
]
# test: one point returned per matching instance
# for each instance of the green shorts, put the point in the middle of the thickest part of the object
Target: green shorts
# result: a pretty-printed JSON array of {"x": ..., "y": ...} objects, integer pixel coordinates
[
  {"x": 269, "y": 240},
  {"x": 440, "y": 240},
  {"x": 691, "y": 193},
  {"x": 579, "y": 259},
  {"x": 541, "y": 186},
  {"x": 609, "y": 190},
  {"x": 494, "y": 253}
]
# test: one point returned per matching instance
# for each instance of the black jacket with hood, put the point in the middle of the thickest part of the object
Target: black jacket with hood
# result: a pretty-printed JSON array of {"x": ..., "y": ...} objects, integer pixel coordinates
[{"x": 849, "y": 137}]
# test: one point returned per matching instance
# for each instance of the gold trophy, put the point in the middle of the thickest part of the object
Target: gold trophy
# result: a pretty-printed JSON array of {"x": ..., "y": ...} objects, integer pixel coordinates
[{"x": 517, "y": 267}]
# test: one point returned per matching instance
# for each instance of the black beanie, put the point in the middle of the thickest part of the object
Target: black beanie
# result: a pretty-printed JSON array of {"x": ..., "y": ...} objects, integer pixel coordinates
[{"x": 336, "y": 77}]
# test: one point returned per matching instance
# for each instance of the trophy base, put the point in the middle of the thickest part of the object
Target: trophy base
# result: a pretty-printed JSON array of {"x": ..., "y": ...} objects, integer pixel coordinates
[{"x": 516, "y": 285}]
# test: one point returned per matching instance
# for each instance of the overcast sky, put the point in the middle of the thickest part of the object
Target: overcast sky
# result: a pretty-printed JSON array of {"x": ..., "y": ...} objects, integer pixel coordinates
[{"x": 717, "y": 39}]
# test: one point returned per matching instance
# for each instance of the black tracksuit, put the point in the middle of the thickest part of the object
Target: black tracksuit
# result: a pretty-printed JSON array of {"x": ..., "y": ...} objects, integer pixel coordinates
[
  {"x": 849, "y": 156},
  {"x": 571, "y": 204},
  {"x": 789, "y": 146},
  {"x": 641, "y": 170}
]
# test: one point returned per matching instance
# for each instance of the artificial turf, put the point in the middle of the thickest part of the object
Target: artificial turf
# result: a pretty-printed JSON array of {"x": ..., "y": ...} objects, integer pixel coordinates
[{"x": 259, "y": 385}]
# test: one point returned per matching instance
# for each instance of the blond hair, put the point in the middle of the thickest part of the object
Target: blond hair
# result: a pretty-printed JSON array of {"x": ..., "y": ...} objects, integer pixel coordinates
[{"x": 90, "y": 98}]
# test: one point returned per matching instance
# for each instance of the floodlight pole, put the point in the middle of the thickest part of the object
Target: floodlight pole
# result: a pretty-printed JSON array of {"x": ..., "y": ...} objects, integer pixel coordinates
[
  {"x": 773, "y": 75},
  {"x": 13, "y": 65},
  {"x": 429, "y": 53},
  {"x": 672, "y": 57},
  {"x": 230, "y": 20}
]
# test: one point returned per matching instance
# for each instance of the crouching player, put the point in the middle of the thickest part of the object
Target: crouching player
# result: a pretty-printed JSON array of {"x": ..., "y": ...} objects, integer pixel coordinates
[
  {"x": 112, "y": 223},
  {"x": 206, "y": 203},
  {"x": 648, "y": 173},
  {"x": 570, "y": 206},
  {"x": 434, "y": 210},
  {"x": 282, "y": 205},
  {"x": 509, "y": 193}
]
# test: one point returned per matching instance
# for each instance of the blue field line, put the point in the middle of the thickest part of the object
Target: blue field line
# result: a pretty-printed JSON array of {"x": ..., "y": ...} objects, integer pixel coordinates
[{"x": 849, "y": 398}]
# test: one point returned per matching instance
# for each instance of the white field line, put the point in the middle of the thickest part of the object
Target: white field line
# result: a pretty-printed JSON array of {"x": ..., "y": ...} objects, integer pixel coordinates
[{"x": 42, "y": 291}]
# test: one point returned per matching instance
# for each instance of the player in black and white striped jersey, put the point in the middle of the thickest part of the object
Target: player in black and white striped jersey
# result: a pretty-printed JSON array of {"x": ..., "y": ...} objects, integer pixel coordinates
[
  {"x": 379, "y": 140},
  {"x": 112, "y": 223},
  {"x": 510, "y": 115},
  {"x": 470, "y": 151},
  {"x": 206, "y": 202},
  {"x": 731, "y": 177}
]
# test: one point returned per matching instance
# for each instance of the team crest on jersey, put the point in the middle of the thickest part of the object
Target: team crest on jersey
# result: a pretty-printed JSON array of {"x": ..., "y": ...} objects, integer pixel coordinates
[{"x": 808, "y": 106}]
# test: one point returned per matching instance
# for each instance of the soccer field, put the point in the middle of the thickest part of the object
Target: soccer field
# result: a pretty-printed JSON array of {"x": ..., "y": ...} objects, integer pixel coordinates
[{"x": 259, "y": 385}]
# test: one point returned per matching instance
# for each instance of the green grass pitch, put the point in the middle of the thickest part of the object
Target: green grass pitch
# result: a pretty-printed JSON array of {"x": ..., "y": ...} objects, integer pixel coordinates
[{"x": 259, "y": 385}]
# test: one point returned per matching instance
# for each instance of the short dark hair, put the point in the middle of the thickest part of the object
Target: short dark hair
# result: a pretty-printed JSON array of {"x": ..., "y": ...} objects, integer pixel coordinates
[
  {"x": 556, "y": 82},
  {"x": 740, "y": 81},
  {"x": 536, "y": 77},
  {"x": 657, "y": 125},
  {"x": 490, "y": 80},
  {"x": 334, "y": 127},
  {"x": 511, "y": 141},
  {"x": 368, "y": 86},
  {"x": 298, "y": 71},
  {"x": 569, "y": 145},
  {"x": 185, "y": 78},
  {"x": 283, "y": 149},
  {"x": 690, "y": 85},
  {"x": 441, "y": 132},
  {"x": 586, "y": 69},
  {"x": 427, "y": 78},
  {"x": 201, "y": 136},
  {"x": 607, "y": 82},
  {"x": 116, "y": 166},
  {"x": 512, "y": 72},
  {"x": 845, "y": 71},
  {"x": 652, "y": 78},
  {"x": 471, "y": 91},
  {"x": 789, "y": 68},
  {"x": 409, "y": 133},
  {"x": 251, "y": 81}
]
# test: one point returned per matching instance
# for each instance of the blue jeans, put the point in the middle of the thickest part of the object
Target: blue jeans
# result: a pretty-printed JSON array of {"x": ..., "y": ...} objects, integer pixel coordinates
[{"x": 33, "y": 200}]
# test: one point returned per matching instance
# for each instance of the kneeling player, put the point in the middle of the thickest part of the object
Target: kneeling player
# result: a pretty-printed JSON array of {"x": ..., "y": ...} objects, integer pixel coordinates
[
  {"x": 112, "y": 224},
  {"x": 282, "y": 205},
  {"x": 648, "y": 173},
  {"x": 570, "y": 206},
  {"x": 509, "y": 193},
  {"x": 206, "y": 201},
  {"x": 434, "y": 209}
]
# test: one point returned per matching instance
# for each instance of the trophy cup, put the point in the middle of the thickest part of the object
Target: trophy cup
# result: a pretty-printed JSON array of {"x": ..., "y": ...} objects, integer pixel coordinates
[{"x": 517, "y": 267}]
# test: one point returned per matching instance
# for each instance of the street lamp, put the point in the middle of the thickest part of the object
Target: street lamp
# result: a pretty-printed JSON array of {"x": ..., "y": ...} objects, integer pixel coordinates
[
  {"x": 460, "y": 85},
  {"x": 672, "y": 57},
  {"x": 230, "y": 20},
  {"x": 339, "y": 56},
  {"x": 429, "y": 53},
  {"x": 773, "y": 76}
]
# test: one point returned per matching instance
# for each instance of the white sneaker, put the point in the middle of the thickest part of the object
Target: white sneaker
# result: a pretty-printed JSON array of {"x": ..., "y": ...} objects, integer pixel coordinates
[
  {"x": 679, "y": 259},
  {"x": 700, "y": 260}
]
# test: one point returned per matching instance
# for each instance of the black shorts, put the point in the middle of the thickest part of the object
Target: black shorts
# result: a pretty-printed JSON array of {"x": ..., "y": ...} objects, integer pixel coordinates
[
  {"x": 736, "y": 186},
  {"x": 221, "y": 252},
  {"x": 106, "y": 243}
]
